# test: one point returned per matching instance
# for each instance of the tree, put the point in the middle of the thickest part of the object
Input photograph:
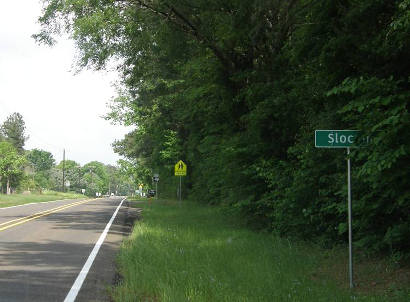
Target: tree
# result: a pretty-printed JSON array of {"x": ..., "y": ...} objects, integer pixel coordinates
[
  {"x": 13, "y": 130},
  {"x": 132, "y": 174},
  {"x": 236, "y": 90},
  {"x": 40, "y": 159},
  {"x": 42, "y": 162},
  {"x": 11, "y": 164},
  {"x": 95, "y": 177},
  {"x": 114, "y": 178},
  {"x": 73, "y": 173}
]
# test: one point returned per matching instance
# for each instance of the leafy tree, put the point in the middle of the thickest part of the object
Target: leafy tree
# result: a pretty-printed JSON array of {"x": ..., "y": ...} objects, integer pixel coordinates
[
  {"x": 115, "y": 180},
  {"x": 41, "y": 160},
  {"x": 73, "y": 173},
  {"x": 13, "y": 130},
  {"x": 95, "y": 177},
  {"x": 132, "y": 175},
  {"x": 237, "y": 88},
  {"x": 11, "y": 165},
  {"x": 56, "y": 178}
]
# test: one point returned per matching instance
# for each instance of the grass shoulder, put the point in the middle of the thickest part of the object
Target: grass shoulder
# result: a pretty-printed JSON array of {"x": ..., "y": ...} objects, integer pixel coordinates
[
  {"x": 20, "y": 199},
  {"x": 193, "y": 252}
]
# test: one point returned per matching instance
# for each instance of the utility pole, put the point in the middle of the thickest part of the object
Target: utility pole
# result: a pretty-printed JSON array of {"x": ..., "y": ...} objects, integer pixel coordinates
[
  {"x": 63, "y": 170},
  {"x": 92, "y": 178}
]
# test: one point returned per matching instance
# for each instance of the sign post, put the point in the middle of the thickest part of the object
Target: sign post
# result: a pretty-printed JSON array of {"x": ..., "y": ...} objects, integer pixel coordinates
[
  {"x": 349, "y": 213},
  {"x": 180, "y": 190},
  {"x": 180, "y": 170},
  {"x": 155, "y": 178},
  {"x": 343, "y": 139}
]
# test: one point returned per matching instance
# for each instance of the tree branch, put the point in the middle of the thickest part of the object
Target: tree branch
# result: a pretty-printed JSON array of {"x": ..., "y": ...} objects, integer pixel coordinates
[{"x": 176, "y": 18}]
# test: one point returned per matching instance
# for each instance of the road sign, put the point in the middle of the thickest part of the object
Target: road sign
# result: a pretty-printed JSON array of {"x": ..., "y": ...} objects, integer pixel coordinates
[
  {"x": 344, "y": 139},
  {"x": 155, "y": 178},
  {"x": 180, "y": 168},
  {"x": 339, "y": 139}
]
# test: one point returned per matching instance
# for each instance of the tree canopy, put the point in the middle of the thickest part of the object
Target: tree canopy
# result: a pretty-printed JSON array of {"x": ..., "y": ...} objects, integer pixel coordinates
[
  {"x": 40, "y": 159},
  {"x": 13, "y": 130},
  {"x": 36, "y": 169},
  {"x": 236, "y": 90},
  {"x": 11, "y": 164}
]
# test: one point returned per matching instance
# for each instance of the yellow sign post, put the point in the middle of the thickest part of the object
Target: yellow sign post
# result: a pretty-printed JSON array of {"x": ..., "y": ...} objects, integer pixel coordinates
[{"x": 180, "y": 170}]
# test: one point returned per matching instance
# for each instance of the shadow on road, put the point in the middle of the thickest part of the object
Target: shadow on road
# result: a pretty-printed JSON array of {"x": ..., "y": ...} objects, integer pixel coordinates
[{"x": 44, "y": 264}]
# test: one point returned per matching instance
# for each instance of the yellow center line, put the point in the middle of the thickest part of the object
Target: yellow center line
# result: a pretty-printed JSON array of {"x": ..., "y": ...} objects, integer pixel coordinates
[
  {"x": 38, "y": 213},
  {"x": 18, "y": 221}
]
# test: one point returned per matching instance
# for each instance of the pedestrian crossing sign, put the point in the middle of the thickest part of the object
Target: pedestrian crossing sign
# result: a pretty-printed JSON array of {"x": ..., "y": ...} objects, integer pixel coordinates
[{"x": 180, "y": 168}]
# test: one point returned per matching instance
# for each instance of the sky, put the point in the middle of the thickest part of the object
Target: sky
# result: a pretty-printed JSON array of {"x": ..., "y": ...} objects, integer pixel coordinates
[{"x": 61, "y": 109}]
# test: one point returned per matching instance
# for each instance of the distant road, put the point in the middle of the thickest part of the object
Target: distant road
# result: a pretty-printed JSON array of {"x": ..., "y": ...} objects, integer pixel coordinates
[{"x": 44, "y": 247}]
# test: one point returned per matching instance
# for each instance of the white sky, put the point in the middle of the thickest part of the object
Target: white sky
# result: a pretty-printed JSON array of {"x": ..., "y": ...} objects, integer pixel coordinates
[{"x": 60, "y": 109}]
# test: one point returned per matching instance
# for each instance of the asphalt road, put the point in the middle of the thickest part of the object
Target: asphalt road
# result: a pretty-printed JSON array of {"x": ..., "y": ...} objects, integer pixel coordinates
[{"x": 43, "y": 248}]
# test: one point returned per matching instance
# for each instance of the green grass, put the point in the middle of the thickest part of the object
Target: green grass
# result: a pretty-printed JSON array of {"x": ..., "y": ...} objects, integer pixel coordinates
[
  {"x": 19, "y": 199},
  {"x": 194, "y": 253}
]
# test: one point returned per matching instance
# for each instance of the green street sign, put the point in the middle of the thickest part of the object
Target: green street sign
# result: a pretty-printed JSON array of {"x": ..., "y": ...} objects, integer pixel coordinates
[
  {"x": 343, "y": 139},
  {"x": 339, "y": 139}
]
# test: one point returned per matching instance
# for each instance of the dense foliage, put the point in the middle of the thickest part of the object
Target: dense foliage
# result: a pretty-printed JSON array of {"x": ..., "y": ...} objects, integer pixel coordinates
[
  {"x": 11, "y": 164},
  {"x": 12, "y": 160},
  {"x": 13, "y": 131},
  {"x": 236, "y": 89},
  {"x": 35, "y": 170}
]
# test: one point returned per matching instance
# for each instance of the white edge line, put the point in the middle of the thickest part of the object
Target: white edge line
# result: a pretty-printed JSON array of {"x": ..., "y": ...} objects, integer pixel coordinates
[{"x": 72, "y": 294}]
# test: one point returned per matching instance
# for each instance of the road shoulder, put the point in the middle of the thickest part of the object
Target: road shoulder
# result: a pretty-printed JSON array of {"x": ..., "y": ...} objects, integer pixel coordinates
[{"x": 103, "y": 273}]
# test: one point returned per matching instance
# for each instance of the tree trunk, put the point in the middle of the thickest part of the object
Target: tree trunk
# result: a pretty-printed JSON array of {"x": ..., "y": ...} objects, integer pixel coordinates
[{"x": 8, "y": 186}]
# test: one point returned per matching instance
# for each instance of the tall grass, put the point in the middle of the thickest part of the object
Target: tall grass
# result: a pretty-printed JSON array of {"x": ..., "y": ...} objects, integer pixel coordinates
[
  {"x": 19, "y": 199},
  {"x": 194, "y": 253}
]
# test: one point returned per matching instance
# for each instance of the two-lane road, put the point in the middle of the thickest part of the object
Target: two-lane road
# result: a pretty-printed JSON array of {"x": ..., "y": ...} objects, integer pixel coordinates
[{"x": 44, "y": 247}]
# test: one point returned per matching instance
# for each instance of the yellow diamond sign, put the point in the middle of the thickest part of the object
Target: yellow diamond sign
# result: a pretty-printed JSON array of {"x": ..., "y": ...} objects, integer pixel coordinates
[{"x": 180, "y": 168}]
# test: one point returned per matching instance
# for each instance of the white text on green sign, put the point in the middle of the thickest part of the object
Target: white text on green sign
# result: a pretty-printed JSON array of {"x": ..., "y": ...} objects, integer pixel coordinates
[{"x": 339, "y": 139}]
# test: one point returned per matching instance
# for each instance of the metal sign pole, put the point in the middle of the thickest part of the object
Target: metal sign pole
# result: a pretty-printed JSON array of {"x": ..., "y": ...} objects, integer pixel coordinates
[
  {"x": 349, "y": 208},
  {"x": 343, "y": 139},
  {"x": 180, "y": 190},
  {"x": 155, "y": 178},
  {"x": 180, "y": 170}
]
